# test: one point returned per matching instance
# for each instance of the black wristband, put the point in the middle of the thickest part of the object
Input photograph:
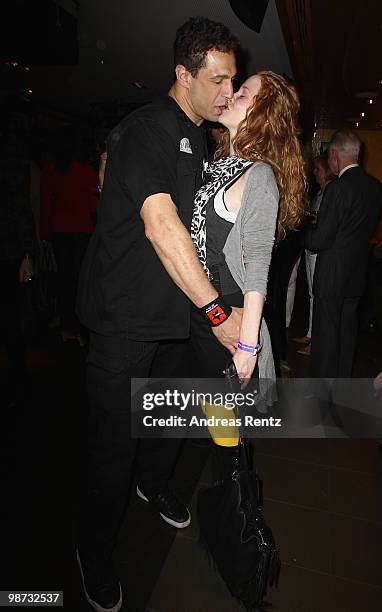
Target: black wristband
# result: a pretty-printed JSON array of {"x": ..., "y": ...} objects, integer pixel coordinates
[{"x": 216, "y": 312}]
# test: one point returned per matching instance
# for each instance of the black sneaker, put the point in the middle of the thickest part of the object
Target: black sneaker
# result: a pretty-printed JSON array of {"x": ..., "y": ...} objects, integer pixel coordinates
[
  {"x": 173, "y": 511},
  {"x": 104, "y": 595}
]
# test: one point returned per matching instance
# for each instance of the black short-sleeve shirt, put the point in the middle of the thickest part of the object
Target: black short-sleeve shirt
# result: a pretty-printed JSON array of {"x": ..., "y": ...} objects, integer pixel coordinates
[{"x": 123, "y": 285}]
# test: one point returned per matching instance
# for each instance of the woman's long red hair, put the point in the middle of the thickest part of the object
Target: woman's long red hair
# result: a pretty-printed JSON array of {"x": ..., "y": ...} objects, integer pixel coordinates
[{"x": 270, "y": 131}]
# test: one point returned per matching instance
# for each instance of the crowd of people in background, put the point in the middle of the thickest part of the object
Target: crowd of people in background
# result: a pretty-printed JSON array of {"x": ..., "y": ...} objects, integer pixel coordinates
[
  {"x": 49, "y": 196},
  {"x": 55, "y": 192}
]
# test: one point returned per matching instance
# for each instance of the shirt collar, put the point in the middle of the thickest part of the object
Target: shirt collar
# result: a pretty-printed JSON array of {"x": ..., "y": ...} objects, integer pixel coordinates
[
  {"x": 169, "y": 101},
  {"x": 346, "y": 168}
]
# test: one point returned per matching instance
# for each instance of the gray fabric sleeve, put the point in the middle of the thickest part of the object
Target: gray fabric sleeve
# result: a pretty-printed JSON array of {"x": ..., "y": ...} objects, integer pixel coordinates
[{"x": 260, "y": 208}]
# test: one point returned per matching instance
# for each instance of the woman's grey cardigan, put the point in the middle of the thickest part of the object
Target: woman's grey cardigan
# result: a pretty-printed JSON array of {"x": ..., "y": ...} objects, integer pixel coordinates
[{"x": 249, "y": 245}]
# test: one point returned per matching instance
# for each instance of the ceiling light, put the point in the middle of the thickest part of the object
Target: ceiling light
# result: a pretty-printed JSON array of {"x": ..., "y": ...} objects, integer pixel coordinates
[
  {"x": 362, "y": 114},
  {"x": 356, "y": 125},
  {"x": 371, "y": 101}
]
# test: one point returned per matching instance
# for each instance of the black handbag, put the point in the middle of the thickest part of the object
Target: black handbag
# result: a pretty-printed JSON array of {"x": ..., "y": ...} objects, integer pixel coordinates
[{"x": 234, "y": 533}]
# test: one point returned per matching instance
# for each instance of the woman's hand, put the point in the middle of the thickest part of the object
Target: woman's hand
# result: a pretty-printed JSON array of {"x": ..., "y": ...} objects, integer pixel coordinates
[
  {"x": 249, "y": 335},
  {"x": 245, "y": 364}
]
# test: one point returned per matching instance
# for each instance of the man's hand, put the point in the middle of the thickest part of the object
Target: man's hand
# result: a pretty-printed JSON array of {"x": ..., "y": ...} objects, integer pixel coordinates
[
  {"x": 228, "y": 332},
  {"x": 26, "y": 270}
]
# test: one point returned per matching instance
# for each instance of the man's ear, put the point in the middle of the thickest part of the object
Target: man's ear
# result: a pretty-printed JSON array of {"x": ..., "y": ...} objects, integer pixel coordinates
[{"x": 183, "y": 76}]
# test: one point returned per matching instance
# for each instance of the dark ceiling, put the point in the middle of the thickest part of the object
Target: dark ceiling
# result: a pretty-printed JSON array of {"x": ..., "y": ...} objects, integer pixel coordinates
[
  {"x": 122, "y": 42},
  {"x": 336, "y": 51},
  {"x": 332, "y": 48}
]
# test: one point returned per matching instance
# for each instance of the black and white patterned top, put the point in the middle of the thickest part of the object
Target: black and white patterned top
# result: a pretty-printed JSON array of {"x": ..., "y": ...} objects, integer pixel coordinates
[{"x": 219, "y": 174}]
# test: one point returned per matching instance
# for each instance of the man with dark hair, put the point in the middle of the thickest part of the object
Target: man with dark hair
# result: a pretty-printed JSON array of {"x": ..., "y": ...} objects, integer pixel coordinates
[
  {"x": 348, "y": 215},
  {"x": 139, "y": 276},
  {"x": 198, "y": 36}
]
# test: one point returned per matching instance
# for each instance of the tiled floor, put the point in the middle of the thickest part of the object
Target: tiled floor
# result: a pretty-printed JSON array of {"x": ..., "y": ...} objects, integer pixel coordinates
[
  {"x": 325, "y": 511},
  {"x": 323, "y": 499}
]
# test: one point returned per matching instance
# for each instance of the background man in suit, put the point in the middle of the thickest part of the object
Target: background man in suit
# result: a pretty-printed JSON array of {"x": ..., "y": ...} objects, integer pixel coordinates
[{"x": 347, "y": 219}]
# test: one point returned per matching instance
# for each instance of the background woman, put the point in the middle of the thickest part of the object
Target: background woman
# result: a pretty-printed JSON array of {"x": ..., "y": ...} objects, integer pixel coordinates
[
  {"x": 69, "y": 197},
  {"x": 323, "y": 176}
]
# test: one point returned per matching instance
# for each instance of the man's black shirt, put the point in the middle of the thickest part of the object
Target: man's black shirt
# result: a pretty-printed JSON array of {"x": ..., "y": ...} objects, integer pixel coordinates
[{"x": 123, "y": 285}]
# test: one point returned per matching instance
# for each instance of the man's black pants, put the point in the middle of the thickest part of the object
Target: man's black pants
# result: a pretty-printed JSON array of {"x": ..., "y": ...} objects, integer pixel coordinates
[
  {"x": 112, "y": 362},
  {"x": 334, "y": 336}
]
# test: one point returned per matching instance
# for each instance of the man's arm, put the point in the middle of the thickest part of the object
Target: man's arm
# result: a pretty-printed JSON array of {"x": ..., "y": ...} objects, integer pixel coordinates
[{"x": 177, "y": 253}]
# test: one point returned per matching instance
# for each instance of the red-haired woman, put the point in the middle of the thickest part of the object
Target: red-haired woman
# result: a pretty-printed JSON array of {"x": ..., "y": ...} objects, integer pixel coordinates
[{"x": 256, "y": 193}]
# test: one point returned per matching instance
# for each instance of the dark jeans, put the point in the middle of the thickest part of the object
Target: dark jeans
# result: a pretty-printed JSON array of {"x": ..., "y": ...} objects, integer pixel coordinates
[
  {"x": 209, "y": 361},
  {"x": 112, "y": 362},
  {"x": 10, "y": 319},
  {"x": 210, "y": 357},
  {"x": 284, "y": 258},
  {"x": 69, "y": 250}
]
